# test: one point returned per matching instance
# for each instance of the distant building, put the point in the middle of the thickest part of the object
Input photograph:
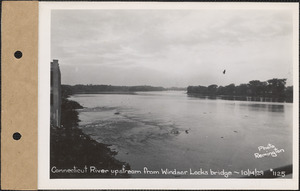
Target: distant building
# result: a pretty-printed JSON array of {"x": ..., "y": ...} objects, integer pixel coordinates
[{"x": 55, "y": 98}]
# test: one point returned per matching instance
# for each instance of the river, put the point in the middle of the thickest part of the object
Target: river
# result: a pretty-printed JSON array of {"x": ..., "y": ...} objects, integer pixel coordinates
[{"x": 172, "y": 130}]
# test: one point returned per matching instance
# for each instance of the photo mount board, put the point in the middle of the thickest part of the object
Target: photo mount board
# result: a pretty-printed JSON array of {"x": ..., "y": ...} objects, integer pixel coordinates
[{"x": 19, "y": 95}]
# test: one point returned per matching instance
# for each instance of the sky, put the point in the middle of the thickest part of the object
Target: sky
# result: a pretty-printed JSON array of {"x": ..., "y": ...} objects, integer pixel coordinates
[{"x": 172, "y": 48}]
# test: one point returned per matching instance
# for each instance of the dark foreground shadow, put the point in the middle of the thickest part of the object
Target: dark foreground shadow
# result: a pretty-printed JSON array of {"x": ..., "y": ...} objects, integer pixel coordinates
[{"x": 75, "y": 155}]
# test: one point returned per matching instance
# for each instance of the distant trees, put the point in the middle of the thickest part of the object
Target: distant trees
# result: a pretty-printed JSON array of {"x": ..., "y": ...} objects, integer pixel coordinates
[
  {"x": 277, "y": 88},
  {"x": 68, "y": 90},
  {"x": 289, "y": 94},
  {"x": 230, "y": 89},
  {"x": 258, "y": 88},
  {"x": 274, "y": 89},
  {"x": 212, "y": 89},
  {"x": 197, "y": 89},
  {"x": 242, "y": 89},
  {"x": 143, "y": 88}
]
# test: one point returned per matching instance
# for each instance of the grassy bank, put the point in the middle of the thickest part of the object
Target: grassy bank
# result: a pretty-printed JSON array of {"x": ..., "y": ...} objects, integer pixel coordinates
[{"x": 71, "y": 149}]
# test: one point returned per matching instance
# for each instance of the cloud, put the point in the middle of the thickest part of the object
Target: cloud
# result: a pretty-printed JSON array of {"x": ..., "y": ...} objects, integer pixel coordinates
[{"x": 193, "y": 45}]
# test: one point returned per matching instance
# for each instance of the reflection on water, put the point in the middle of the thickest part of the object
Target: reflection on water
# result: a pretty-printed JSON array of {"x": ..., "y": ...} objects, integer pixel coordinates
[
  {"x": 176, "y": 131},
  {"x": 264, "y": 107},
  {"x": 235, "y": 98}
]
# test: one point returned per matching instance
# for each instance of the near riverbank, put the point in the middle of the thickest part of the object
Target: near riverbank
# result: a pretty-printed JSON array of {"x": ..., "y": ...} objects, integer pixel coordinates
[{"x": 74, "y": 154}]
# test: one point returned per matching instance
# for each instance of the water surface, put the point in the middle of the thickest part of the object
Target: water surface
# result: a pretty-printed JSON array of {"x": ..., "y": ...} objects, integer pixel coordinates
[{"x": 170, "y": 129}]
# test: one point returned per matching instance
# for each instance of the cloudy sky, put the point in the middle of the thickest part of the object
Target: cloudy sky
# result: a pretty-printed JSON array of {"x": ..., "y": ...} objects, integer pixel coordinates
[{"x": 171, "y": 47}]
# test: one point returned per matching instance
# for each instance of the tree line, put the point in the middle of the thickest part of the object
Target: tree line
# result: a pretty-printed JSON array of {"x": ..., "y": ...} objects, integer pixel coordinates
[
  {"x": 275, "y": 89},
  {"x": 68, "y": 89}
]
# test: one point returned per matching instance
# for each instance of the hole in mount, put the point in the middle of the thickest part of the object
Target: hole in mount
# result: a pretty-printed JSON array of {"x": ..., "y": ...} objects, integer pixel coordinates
[
  {"x": 17, "y": 136},
  {"x": 18, "y": 54}
]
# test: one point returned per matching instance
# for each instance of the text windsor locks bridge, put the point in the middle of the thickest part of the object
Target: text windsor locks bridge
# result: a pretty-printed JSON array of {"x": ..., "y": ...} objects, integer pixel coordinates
[{"x": 55, "y": 96}]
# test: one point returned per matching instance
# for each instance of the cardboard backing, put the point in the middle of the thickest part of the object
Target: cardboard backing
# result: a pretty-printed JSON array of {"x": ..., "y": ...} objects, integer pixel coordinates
[{"x": 19, "y": 82}]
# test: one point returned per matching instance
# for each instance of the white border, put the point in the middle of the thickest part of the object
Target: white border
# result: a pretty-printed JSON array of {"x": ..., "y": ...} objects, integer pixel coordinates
[{"x": 44, "y": 182}]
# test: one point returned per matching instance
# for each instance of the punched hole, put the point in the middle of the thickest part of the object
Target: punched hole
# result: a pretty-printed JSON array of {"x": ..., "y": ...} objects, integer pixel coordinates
[
  {"x": 18, "y": 54},
  {"x": 17, "y": 136}
]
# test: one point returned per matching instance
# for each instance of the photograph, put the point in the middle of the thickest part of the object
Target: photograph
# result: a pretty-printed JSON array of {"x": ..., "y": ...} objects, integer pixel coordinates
[{"x": 159, "y": 93}]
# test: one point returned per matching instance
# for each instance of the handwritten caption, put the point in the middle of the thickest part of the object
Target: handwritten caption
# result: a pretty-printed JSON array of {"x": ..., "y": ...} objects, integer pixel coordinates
[
  {"x": 267, "y": 151},
  {"x": 167, "y": 172}
]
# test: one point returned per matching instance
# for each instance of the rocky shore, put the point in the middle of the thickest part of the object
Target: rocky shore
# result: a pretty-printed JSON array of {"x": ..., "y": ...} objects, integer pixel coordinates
[{"x": 75, "y": 155}]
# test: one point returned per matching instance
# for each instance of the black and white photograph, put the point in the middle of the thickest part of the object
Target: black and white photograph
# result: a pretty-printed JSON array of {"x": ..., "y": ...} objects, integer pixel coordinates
[{"x": 183, "y": 93}]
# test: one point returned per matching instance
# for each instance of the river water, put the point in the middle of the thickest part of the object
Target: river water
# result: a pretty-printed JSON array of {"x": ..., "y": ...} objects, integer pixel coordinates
[{"x": 171, "y": 130}]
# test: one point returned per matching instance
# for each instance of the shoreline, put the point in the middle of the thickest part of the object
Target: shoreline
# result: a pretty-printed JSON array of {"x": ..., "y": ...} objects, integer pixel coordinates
[
  {"x": 236, "y": 98},
  {"x": 70, "y": 148}
]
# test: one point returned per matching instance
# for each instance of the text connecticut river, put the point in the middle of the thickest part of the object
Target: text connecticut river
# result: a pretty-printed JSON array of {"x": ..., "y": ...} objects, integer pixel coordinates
[{"x": 171, "y": 130}]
